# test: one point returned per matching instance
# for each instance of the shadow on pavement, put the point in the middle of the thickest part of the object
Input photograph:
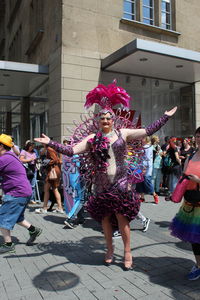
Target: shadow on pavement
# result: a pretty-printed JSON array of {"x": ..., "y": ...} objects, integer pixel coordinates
[
  {"x": 14, "y": 240},
  {"x": 92, "y": 224},
  {"x": 58, "y": 219},
  {"x": 87, "y": 251},
  {"x": 169, "y": 272},
  {"x": 55, "y": 280},
  {"x": 184, "y": 246},
  {"x": 163, "y": 224}
]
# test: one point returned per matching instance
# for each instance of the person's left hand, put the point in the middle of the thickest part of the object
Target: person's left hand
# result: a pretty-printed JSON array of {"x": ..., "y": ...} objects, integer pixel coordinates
[
  {"x": 43, "y": 140},
  {"x": 194, "y": 178},
  {"x": 171, "y": 112}
]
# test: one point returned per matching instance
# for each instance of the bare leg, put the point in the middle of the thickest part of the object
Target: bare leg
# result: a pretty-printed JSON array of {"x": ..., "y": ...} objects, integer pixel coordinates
[
  {"x": 108, "y": 231},
  {"x": 58, "y": 198},
  {"x": 6, "y": 235},
  {"x": 124, "y": 228},
  {"x": 25, "y": 224},
  {"x": 46, "y": 195}
]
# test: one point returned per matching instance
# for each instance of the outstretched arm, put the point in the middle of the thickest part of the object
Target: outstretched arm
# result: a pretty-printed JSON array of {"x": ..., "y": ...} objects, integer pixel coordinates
[
  {"x": 149, "y": 130},
  {"x": 66, "y": 150}
]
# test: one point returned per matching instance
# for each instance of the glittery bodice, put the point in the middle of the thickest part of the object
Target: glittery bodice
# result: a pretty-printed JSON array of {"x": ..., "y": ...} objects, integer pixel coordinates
[
  {"x": 116, "y": 171},
  {"x": 119, "y": 150}
]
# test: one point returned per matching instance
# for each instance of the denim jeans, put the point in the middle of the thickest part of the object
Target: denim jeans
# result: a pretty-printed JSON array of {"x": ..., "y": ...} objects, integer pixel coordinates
[
  {"x": 12, "y": 211},
  {"x": 33, "y": 185},
  {"x": 145, "y": 186},
  {"x": 173, "y": 180},
  {"x": 156, "y": 179}
]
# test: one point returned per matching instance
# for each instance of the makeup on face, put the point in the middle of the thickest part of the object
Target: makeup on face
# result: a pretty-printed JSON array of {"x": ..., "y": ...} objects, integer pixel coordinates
[{"x": 105, "y": 118}]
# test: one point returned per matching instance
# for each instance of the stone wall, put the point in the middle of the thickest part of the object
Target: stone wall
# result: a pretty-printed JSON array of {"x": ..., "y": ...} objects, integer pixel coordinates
[{"x": 93, "y": 29}]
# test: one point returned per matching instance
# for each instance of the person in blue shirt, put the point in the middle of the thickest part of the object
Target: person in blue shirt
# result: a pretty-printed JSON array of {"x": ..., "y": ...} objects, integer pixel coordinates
[{"x": 146, "y": 187}]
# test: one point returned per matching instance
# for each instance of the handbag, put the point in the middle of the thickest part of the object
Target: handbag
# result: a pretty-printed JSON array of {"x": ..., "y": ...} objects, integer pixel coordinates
[
  {"x": 53, "y": 174},
  {"x": 180, "y": 189}
]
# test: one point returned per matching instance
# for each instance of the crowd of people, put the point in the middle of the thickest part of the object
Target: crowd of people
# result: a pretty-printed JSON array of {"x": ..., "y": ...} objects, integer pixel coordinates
[{"x": 113, "y": 196}]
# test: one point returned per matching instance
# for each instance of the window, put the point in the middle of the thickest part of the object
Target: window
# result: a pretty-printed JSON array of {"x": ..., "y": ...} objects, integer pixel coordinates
[
  {"x": 154, "y": 14},
  {"x": 148, "y": 11},
  {"x": 166, "y": 14},
  {"x": 130, "y": 9}
]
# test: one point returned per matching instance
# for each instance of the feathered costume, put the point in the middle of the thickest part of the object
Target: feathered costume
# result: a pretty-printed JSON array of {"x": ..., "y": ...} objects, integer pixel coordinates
[{"x": 109, "y": 171}]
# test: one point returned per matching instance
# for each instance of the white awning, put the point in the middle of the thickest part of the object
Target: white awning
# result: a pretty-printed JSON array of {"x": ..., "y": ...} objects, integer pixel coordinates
[
  {"x": 156, "y": 60},
  {"x": 21, "y": 79}
]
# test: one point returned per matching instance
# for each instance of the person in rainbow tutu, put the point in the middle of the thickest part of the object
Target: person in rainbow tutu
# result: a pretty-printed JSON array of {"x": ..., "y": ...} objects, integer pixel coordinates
[
  {"x": 102, "y": 141},
  {"x": 186, "y": 223}
]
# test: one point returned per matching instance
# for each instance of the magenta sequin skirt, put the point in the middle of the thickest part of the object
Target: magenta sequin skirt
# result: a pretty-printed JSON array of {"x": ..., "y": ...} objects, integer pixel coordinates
[{"x": 112, "y": 202}]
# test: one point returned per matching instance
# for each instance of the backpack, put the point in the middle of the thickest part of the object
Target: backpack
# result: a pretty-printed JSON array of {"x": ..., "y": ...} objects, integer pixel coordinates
[
  {"x": 167, "y": 161},
  {"x": 167, "y": 164}
]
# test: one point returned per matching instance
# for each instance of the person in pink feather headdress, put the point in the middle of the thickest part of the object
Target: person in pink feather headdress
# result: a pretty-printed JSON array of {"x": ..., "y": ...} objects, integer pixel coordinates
[{"x": 113, "y": 200}]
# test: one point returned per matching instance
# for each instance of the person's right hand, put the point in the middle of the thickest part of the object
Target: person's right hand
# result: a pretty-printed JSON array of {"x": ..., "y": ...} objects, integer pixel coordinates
[
  {"x": 171, "y": 112},
  {"x": 44, "y": 139}
]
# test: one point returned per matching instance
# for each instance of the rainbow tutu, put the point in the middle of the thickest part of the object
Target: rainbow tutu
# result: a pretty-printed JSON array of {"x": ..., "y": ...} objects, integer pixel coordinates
[{"x": 186, "y": 224}]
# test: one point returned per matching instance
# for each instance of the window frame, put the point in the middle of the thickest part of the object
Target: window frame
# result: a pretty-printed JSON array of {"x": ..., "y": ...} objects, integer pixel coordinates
[
  {"x": 130, "y": 13},
  {"x": 151, "y": 8},
  {"x": 166, "y": 13},
  {"x": 156, "y": 25}
]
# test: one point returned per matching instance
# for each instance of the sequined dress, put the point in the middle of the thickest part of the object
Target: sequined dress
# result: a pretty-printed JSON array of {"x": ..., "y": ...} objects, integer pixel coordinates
[
  {"x": 111, "y": 179},
  {"x": 112, "y": 193}
]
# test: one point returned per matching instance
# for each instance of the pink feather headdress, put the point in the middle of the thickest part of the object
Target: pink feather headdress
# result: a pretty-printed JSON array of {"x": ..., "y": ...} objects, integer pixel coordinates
[{"x": 107, "y": 96}]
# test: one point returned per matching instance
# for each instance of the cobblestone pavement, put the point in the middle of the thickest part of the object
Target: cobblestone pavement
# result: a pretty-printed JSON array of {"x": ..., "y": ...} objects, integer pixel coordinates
[{"x": 67, "y": 263}]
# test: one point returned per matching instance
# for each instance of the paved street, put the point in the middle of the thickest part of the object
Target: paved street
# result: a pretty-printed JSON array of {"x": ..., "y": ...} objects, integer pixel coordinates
[{"x": 67, "y": 263}]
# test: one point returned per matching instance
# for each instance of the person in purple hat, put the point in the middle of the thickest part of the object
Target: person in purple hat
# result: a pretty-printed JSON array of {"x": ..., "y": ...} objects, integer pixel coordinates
[{"x": 16, "y": 194}]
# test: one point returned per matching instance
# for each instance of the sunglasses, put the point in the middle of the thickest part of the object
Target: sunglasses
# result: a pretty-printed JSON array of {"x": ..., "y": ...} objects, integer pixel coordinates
[{"x": 104, "y": 118}]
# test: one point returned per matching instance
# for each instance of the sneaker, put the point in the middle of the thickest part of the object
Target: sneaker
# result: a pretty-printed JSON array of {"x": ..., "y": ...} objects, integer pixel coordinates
[
  {"x": 60, "y": 211},
  {"x": 4, "y": 248},
  {"x": 168, "y": 198},
  {"x": 146, "y": 224},
  {"x": 69, "y": 223},
  {"x": 116, "y": 234},
  {"x": 33, "y": 236},
  {"x": 40, "y": 211},
  {"x": 32, "y": 202},
  {"x": 156, "y": 199},
  {"x": 194, "y": 273}
]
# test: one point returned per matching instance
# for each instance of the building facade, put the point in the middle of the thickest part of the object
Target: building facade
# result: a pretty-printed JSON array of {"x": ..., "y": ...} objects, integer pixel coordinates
[{"x": 150, "y": 46}]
